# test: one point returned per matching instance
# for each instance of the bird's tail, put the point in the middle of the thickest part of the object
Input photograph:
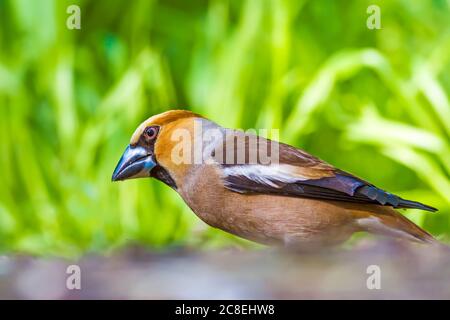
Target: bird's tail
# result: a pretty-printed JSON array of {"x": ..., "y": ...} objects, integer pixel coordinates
[{"x": 389, "y": 222}]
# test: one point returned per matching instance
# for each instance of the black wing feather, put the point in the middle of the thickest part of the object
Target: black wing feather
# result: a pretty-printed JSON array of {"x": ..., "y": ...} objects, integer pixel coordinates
[{"x": 341, "y": 187}]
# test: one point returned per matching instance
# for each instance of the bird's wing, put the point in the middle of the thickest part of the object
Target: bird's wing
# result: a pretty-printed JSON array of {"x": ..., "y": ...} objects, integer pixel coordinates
[{"x": 299, "y": 174}]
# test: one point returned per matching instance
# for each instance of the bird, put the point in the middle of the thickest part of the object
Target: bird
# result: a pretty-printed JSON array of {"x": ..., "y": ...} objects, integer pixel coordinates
[{"x": 290, "y": 198}]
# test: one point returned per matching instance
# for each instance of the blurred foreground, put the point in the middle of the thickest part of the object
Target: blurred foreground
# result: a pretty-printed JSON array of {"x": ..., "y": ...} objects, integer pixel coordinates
[{"x": 406, "y": 272}]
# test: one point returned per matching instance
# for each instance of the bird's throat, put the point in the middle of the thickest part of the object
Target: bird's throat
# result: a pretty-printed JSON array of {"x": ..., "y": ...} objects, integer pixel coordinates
[{"x": 161, "y": 174}]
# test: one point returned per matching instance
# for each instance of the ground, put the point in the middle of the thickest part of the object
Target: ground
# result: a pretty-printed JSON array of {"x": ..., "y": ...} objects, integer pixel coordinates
[{"x": 398, "y": 270}]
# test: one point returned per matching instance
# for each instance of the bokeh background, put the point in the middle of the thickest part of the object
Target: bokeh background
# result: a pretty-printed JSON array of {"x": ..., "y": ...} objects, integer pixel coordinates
[{"x": 372, "y": 102}]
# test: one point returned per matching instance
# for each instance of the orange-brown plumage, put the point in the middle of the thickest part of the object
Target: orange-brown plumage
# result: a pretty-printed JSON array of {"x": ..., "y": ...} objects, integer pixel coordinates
[
  {"x": 168, "y": 118},
  {"x": 299, "y": 200}
]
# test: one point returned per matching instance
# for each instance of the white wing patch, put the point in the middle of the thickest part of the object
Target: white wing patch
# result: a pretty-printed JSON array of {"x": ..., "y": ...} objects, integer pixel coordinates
[{"x": 265, "y": 174}]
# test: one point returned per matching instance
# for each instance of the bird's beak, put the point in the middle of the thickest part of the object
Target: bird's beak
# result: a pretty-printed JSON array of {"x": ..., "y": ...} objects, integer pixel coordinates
[{"x": 136, "y": 162}]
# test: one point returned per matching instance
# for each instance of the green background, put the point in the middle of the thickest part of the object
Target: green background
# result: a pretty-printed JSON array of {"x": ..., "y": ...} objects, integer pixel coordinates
[{"x": 372, "y": 102}]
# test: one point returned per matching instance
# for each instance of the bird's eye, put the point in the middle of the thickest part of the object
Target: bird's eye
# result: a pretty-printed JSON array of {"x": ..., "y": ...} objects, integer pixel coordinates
[{"x": 151, "y": 132}]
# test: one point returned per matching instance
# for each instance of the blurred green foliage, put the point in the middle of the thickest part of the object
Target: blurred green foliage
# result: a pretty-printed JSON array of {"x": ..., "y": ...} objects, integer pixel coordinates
[{"x": 372, "y": 102}]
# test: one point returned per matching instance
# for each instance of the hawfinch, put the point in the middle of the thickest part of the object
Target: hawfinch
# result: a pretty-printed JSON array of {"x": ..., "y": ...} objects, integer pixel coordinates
[{"x": 259, "y": 189}]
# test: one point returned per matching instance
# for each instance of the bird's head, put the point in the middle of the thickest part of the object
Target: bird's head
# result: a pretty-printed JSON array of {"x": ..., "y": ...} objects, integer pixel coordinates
[{"x": 148, "y": 153}]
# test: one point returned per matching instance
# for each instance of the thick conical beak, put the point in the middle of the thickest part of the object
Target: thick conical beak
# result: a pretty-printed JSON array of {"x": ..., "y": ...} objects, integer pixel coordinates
[{"x": 136, "y": 162}]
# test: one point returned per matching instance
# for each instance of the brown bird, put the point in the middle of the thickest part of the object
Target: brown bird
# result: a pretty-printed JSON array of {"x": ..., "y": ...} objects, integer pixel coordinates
[{"x": 259, "y": 189}]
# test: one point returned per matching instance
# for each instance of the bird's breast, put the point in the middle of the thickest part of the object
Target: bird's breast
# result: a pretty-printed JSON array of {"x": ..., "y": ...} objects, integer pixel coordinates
[{"x": 267, "y": 219}]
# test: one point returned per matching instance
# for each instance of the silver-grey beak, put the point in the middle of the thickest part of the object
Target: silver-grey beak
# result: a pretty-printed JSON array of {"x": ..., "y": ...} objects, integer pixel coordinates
[{"x": 136, "y": 162}]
